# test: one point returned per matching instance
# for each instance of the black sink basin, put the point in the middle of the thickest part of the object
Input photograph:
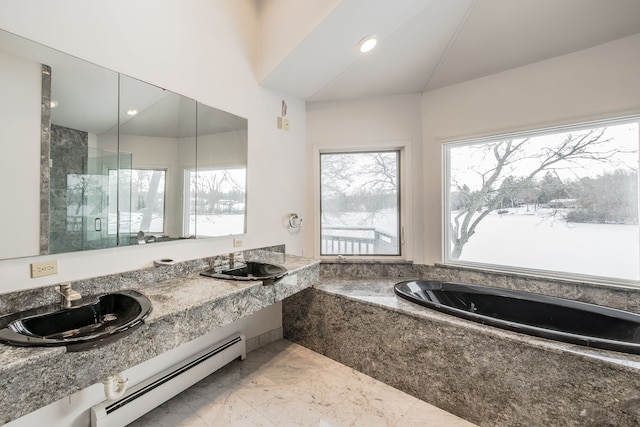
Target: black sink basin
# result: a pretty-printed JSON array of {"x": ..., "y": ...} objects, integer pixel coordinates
[
  {"x": 84, "y": 327},
  {"x": 251, "y": 270}
]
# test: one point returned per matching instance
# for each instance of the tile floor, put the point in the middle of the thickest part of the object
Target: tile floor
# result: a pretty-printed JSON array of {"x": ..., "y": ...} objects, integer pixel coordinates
[{"x": 284, "y": 384}]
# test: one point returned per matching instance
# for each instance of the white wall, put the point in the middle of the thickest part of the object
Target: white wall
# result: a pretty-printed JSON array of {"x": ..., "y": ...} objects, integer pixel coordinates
[
  {"x": 200, "y": 49},
  {"x": 364, "y": 124},
  {"x": 592, "y": 84},
  {"x": 596, "y": 83},
  {"x": 20, "y": 155},
  {"x": 222, "y": 149}
]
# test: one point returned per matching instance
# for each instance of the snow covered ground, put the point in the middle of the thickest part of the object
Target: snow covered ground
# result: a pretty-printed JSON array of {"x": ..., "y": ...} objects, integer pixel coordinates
[
  {"x": 536, "y": 240},
  {"x": 532, "y": 239},
  {"x": 218, "y": 225}
]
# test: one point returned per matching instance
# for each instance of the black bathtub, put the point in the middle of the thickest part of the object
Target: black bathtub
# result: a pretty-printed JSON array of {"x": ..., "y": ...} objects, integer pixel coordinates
[{"x": 540, "y": 315}]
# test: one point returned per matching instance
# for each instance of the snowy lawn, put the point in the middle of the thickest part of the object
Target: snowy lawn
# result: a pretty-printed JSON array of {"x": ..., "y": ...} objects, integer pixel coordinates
[{"x": 537, "y": 241}]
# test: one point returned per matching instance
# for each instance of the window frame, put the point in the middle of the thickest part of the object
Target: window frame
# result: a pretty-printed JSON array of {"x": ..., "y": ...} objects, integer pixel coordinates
[
  {"x": 404, "y": 188},
  {"x": 446, "y": 244}
]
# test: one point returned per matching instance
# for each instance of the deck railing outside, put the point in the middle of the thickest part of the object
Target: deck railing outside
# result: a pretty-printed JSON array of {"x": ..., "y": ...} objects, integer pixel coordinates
[{"x": 357, "y": 241}]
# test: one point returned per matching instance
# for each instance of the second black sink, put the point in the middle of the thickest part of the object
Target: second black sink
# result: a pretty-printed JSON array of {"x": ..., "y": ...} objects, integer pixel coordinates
[{"x": 250, "y": 270}]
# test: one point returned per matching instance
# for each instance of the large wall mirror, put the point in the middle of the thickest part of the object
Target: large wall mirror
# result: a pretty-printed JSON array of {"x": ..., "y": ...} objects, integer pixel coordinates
[{"x": 90, "y": 158}]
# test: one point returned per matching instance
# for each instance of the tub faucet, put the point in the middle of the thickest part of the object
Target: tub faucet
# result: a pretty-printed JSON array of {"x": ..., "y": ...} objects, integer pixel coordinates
[{"x": 67, "y": 295}]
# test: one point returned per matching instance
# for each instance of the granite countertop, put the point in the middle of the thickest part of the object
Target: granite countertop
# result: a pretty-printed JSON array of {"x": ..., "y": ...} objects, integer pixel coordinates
[
  {"x": 177, "y": 295},
  {"x": 379, "y": 292},
  {"x": 184, "y": 308}
]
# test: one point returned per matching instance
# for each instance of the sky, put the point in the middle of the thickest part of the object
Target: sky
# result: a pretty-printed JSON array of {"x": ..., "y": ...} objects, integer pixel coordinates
[{"x": 466, "y": 160}]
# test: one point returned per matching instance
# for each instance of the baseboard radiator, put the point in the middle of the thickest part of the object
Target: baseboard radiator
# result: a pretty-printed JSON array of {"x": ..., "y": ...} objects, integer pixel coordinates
[{"x": 147, "y": 395}]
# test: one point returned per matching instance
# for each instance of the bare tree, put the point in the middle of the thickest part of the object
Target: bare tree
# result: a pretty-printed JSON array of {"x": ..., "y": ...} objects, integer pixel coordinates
[
  {"x": 359, "y": 182},
  {"x": 215, "y": 186},
  {"x": 154, "y": 178},
  {"x": 509, "y": 158},
  {"x": 337, "y": 174},
  {"x": 381, "y": 173}
]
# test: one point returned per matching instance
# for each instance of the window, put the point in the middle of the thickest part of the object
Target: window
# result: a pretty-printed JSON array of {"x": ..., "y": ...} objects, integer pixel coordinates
[
  {"x": 215, "y": 206},
  {"x": 147, "y": 200},
  {"x": 360, "y": 203},
  {"x": 563, "y": 201},
  {"x": 141, "y": 201}
]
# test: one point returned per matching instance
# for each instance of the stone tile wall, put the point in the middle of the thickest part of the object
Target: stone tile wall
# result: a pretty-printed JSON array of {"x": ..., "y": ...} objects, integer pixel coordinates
[{"x": 485, "y": 375}]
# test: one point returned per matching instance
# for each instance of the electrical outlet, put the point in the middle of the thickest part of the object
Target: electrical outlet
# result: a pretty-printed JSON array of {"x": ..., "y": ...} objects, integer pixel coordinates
[
  {"x": 285, "y": 124},
  {"x": 44, "y": 268},
  {"x": 237, "y": 243}
]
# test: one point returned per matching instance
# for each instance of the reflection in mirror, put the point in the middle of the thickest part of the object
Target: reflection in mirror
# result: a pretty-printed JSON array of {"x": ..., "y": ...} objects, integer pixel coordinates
[
  {"x": 81, "y": 173},
  {"x": 82, "y": 155},
  {"x": 56, "y": 109},
  {"x": 147, "y": 200},
  {"x": 158, "y": 129},
  {"x": 218, "y": 184},
  {"x": 20, "y": 115}
]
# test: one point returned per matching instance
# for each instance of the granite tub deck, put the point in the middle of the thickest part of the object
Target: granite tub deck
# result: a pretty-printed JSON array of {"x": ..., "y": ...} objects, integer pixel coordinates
[
  {"x": 184, "y": 308},
  {"x": 489, "y": 376}
]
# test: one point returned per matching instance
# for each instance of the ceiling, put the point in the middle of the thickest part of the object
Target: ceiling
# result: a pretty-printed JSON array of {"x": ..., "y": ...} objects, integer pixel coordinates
[{"x": 429, "y": 44}]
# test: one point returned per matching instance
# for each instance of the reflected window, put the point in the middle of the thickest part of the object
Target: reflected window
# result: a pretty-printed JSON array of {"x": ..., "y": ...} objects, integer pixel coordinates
[
  {"x": 216, "y": 202},
  {"x": 147, "y": 208}
]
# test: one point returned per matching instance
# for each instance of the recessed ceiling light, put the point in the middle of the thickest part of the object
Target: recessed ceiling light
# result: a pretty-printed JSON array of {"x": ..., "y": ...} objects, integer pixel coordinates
[
  {"x": 367, "y": 44},
  {"x": 53, "y": 103},
  {"x": 132, "y": 112}
]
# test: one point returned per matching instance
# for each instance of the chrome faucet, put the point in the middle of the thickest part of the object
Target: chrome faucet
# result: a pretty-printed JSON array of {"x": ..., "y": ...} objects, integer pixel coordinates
[
  {"x": 232, "y": 260},
  {"x": 236, "y": 259},
  {"x": 67, "y": 295}
]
